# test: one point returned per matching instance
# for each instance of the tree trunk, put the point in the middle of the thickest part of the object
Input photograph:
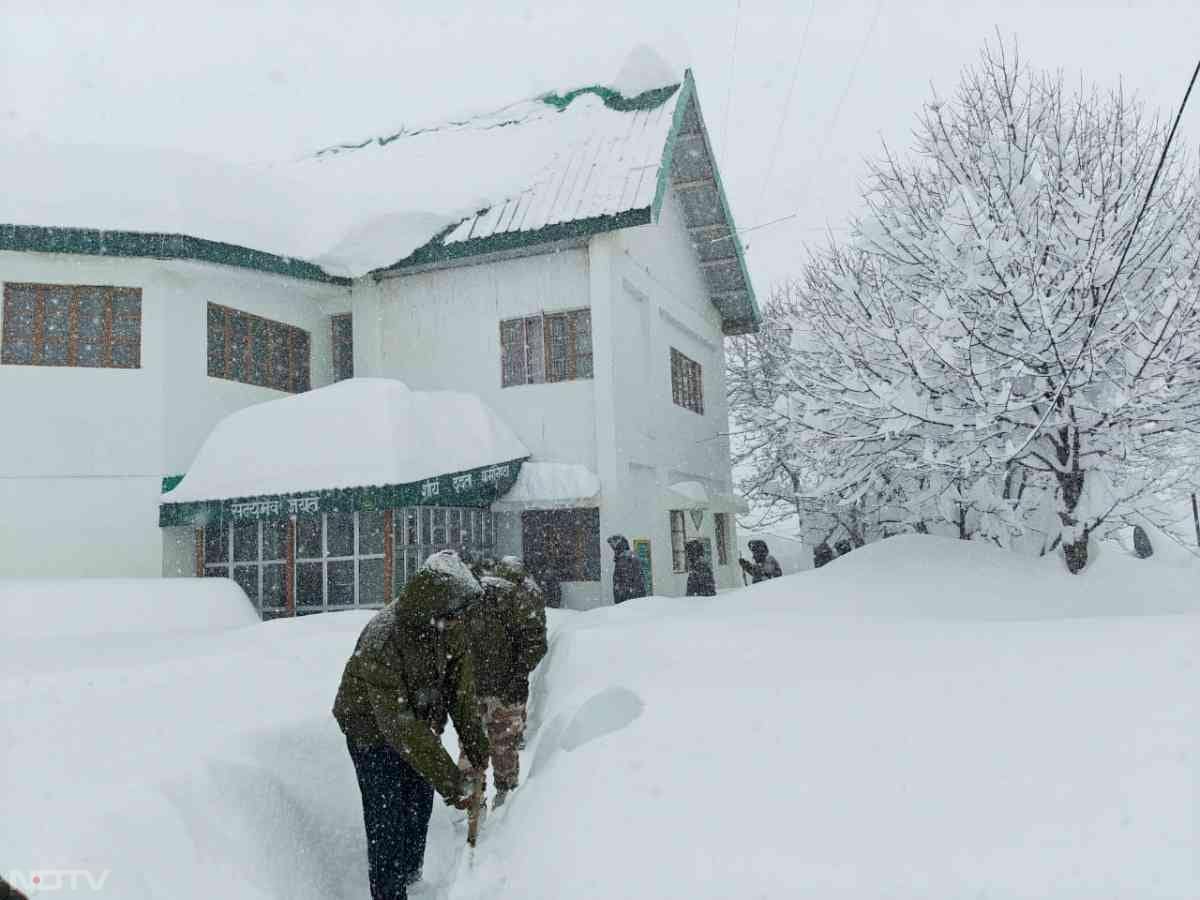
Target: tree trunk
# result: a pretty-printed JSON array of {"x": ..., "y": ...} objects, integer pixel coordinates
[{"x": 1076, "y": 552}]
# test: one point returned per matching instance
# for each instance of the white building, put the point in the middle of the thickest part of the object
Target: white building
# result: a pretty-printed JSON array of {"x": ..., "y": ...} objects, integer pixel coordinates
[{"x": 579, "y": 283}]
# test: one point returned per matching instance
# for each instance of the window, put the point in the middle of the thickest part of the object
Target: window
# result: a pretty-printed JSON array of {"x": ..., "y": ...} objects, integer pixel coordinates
[
  {"x": 343, "y": 347},
  {"x": 544, "y": 348},
  {"x": 422, "y": 531},
  {"x": 678, "y": 541},
  {"x": 687, "y": 388},
  {"x": 86, "y": 326},
  {"x": 254, "y": 350},
  {"x": 339, "y": 561},
  {"x": 254, "y": 555},
  {"x": 721, "y": 525},
  {"x": 568, "y": 540}
]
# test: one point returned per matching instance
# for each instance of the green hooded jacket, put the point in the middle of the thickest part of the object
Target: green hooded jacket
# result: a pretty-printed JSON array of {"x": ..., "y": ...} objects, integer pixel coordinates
[
  {"x": 407, "y": 673},
  {"x": 507, "y": 632}
]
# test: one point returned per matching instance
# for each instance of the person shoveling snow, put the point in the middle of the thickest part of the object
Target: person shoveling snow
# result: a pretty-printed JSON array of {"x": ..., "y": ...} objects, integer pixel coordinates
[{"x": 410, "y": 669}]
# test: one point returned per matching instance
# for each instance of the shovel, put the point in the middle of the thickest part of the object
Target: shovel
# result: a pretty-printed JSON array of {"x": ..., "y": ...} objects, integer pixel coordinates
[{"x": 474, "y": 814}]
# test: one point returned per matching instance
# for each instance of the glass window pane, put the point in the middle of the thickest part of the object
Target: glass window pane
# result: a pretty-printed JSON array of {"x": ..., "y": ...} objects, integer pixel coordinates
[
  {"x": 556, "y": 342},
  {"x": 274, "y": 591},
  {"x": 300, "y": 377},
  {"x": 438, "y": 533},
  {"x": 339, "y": 534},
  {"x": 279, "y": 356},
  {"x": 88, "y": 352},
  {"x": 19, "y": 307},
  {"x": 310, "y": 580},
  {"x": 245, "y": 541},
  {"x": 412, "y": 562},
  {"x": 216, "y": 571},
  {"x": 370, "y": 582},
  {"x": 512, "y": 353},
  {"x": 216, "y": 341},
  {"x": 426, "y": 528},
  {"x": 247, "y": 579},
  {"x": 274, "y": 539},
  {"x": 308, "y": 537},
  {"x": 370, "y": 532},
  {"x": 341, "y": 582},
  {"x": 239, "y": 334},
  {"x": 127, "y": 303},
  {"x": 126, "y": 327},
  {"x": 93, "y": 311},
  {"x": 408, "y": 529},
  {"x": 343, "y": 347},
  {"x": 487, "y": 535},
  {"x": 454, "y": 527},
  {"x": 259, "y": 353},
  {"x": 54, "y": 353},
  {"x": 57, "y": 314},
  {"x": 18, "y": 351},
  {"x": 535, "y": 349},
  {"x": 125, "y": 355},
  {"x": 216, "y": 543}
]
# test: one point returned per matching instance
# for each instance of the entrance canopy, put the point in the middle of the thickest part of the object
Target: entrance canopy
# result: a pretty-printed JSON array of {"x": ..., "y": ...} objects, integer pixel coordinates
[{"x": 360, "y": 444}]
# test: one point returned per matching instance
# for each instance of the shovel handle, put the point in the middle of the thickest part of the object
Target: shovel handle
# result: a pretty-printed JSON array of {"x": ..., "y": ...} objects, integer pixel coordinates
[{"x": 473, "y": 814}]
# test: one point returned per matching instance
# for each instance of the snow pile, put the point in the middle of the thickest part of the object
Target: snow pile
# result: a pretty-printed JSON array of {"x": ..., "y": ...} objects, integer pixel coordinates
[
  {"x": 552, "y": 482},
  {"x": 369, "y": 203},
  {"x": 773, "y": 742},
  {"x": 46, "y": 608},
  {"x": 356, "y": 433}
]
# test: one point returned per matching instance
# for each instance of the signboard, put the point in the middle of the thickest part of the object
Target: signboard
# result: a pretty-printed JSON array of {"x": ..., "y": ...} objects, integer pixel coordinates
[
  {"x": 641, "y": 549},
  {"x": 475, "y": 487}
]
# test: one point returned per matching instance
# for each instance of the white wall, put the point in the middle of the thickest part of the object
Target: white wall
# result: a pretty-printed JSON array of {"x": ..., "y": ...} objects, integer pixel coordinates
[
  {"x": 660, "y": 300},
  {"x": 100, "y": 440},
  {"x": 440, "y": 330}
]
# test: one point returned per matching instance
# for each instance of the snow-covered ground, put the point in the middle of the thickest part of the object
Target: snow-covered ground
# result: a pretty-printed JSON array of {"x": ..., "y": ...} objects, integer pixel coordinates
[{"x": 923, "y": 718}]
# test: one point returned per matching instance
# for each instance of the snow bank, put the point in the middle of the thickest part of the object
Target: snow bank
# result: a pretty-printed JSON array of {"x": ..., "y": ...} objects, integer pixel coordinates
[
  {"x": 356, "y": 433},
  {"x": 765, "y": 743},
  {"x": 61, "y": 608}
]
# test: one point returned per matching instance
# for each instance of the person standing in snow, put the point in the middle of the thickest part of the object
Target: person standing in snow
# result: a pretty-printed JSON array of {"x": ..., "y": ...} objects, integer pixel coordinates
[
  {"x": 764, "y": 567},
  {"x": 507, "y": 635},
  {"x": 410, "y": 669},
  {"x": 628, "y": 581},
  {"x": 700, "y": 581}
]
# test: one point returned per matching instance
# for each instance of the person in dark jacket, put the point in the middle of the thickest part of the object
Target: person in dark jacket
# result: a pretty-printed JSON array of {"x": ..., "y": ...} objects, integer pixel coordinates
[
  {"x": 765, "y": 566},
  {"x": 628, "y": 581},
  {"x": 700, "y": 582},
  {"x": 410, "y": 669},
  {"x": 507, "y": 634}
]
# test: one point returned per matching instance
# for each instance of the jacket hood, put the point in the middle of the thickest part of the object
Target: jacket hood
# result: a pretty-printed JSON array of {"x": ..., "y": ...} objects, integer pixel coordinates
[
  {"x": 442, "y": 587},
  {"x": 619, "y": 544}
]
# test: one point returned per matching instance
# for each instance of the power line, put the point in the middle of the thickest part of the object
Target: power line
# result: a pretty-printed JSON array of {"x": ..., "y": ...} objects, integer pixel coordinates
[
  {"x": 787, "y": 105},
  {"x": 737, "y": 19}
]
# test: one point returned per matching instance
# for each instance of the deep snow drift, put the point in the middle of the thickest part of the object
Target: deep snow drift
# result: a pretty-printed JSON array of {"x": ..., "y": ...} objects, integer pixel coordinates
[{"x": 922, "y": 718}]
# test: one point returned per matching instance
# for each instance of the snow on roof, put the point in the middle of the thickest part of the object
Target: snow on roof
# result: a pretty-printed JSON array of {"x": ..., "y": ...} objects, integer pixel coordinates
[
  {"x": 553, "y": 482},
  {"x": 361, "y": 432},
  {"x": 358, "y": 207}
]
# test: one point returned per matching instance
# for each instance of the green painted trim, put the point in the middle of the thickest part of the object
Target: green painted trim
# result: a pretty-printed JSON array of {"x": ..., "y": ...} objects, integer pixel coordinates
[
  {"x": 154, "y": 245},
  {"x": 651, "y": 99},
  {"x": 755, "y": 314},
  {"x": 475, "y": 488},
  {"x": 436, "y": 252},
  {"x": 170, "y": 482},
  {"x": 668, "y": 154}
]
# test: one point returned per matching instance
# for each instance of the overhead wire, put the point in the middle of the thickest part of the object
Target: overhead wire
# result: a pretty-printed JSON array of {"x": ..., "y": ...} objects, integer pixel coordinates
[{"x": 737, "y": 19}]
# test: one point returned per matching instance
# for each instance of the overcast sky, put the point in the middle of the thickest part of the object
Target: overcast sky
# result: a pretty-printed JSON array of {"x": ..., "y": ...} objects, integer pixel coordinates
[{"x": 260, "y": 82}]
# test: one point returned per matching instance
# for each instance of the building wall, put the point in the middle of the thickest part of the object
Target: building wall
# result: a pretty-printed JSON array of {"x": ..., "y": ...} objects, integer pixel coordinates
[
  {"x": 84, "y": 450},
  {"x": 440, "y": 330},
  {"x": 659, "y": 301}
]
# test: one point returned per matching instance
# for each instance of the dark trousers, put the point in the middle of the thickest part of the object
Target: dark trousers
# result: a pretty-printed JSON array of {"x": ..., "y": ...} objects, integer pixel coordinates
[{"x": 396, "y": 803}]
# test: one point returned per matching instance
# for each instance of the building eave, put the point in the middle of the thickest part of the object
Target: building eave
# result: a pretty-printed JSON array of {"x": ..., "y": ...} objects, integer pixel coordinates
[{"x": 157, "y": 245}]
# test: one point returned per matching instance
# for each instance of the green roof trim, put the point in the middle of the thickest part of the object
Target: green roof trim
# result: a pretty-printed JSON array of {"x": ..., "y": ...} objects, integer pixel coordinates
[
  {"x": 170, "y": 482},
  {"x": 651, "y": 99},
  {"x": 689, "y": 95},
  {"x": 436, "y": 252},
  {"x": 154, "y": 245},
  {"x": 478, "y": 488}
]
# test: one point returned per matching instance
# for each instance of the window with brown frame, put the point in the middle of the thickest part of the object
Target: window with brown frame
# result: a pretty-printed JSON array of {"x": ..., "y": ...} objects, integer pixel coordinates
[
  {"x": 687, "y": 385},
  {"x": 85, "y": 326},
  {"x": 547, "y": 347},
  {"x": 253, "y": 350},
  {"x": 565, "y": 541},
  {"x": 678, "y": 541},
  {"x": 343, "y": 346}
]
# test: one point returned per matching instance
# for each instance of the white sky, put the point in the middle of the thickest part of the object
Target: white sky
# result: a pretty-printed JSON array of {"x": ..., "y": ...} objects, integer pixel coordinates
[{"x": 259, "y": 82}]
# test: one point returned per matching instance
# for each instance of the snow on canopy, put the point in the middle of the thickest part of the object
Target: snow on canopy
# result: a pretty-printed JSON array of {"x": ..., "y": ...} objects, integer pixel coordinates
[
  {"x": 553, "y": 482},
  {"x": 355, "y": 207},
  {"x": 362, "y": 432}
]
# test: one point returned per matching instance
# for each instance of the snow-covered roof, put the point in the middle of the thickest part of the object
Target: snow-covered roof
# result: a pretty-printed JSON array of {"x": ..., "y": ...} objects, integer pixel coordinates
[
  {"x": 361, "y": 432},
  {"x": 552, "y": 483},
  {"x": 548, "y": 168}
]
